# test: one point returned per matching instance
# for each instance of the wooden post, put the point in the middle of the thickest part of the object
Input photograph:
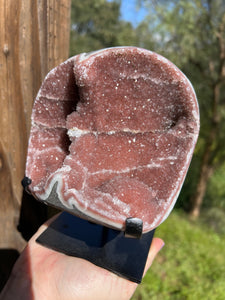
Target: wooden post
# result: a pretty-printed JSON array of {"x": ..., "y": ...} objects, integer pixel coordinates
[{"x": 34, "y": 37}]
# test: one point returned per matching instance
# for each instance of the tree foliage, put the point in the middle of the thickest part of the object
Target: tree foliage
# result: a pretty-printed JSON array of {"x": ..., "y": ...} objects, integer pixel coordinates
[
  {"x": 192, "y": 35},
  {"x": 96, "y": 24}
]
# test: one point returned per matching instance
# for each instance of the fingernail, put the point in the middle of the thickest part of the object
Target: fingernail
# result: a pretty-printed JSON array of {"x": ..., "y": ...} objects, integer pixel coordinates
[{"x": 162, "y": 246}]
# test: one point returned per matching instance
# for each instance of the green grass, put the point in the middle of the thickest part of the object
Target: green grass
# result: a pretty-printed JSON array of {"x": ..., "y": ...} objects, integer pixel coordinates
[{"x": 190, "y": 266}]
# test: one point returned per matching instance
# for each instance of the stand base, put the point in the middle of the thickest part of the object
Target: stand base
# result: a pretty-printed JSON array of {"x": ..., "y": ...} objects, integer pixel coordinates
[{"x": 102, "y": 246}]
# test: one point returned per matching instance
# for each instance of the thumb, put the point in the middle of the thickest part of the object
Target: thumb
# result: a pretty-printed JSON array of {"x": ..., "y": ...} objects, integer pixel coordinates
[{"x": 156, "y": 246}]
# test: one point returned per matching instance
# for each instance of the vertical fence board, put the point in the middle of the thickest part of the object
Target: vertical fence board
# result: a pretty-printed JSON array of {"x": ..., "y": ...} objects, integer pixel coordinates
[{"x": 34, "y": 37}]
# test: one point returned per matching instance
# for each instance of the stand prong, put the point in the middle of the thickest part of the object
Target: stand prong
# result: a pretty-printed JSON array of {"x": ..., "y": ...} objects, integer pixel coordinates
[
  {"x": 134, "y": 227},
  {"x": 26, "y": 181}
]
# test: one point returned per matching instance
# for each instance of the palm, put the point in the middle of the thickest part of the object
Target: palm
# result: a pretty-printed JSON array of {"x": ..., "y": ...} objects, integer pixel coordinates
[{"x": 57, "y": 276}]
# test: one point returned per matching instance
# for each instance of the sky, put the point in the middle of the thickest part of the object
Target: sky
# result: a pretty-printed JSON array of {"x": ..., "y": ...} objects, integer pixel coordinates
[{"x": 130, "y": 12}]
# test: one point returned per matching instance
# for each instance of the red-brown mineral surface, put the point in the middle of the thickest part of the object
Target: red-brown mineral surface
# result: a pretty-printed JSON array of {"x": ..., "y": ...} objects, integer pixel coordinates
[{"x": 113, "y": 132}]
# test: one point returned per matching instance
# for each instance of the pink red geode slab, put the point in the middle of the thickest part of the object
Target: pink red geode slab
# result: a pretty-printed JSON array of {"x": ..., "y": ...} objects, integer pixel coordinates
[{"x": 112, "y": 136}]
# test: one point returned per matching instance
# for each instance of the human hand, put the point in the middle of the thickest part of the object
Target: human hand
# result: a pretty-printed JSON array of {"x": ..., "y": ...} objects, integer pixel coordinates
[{"x": 42, "y": 273}]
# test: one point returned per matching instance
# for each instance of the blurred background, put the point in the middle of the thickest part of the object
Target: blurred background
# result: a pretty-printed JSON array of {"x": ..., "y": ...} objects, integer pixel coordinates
[{"x": 192, "y": 35}]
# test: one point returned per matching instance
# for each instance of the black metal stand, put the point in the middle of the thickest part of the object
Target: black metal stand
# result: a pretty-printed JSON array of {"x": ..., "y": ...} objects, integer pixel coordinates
[{"x": 104, "y": 247}]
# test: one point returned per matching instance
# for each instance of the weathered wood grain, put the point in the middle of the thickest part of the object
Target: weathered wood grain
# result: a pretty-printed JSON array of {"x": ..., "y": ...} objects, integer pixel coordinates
[{"x": 34, "y": 37}]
